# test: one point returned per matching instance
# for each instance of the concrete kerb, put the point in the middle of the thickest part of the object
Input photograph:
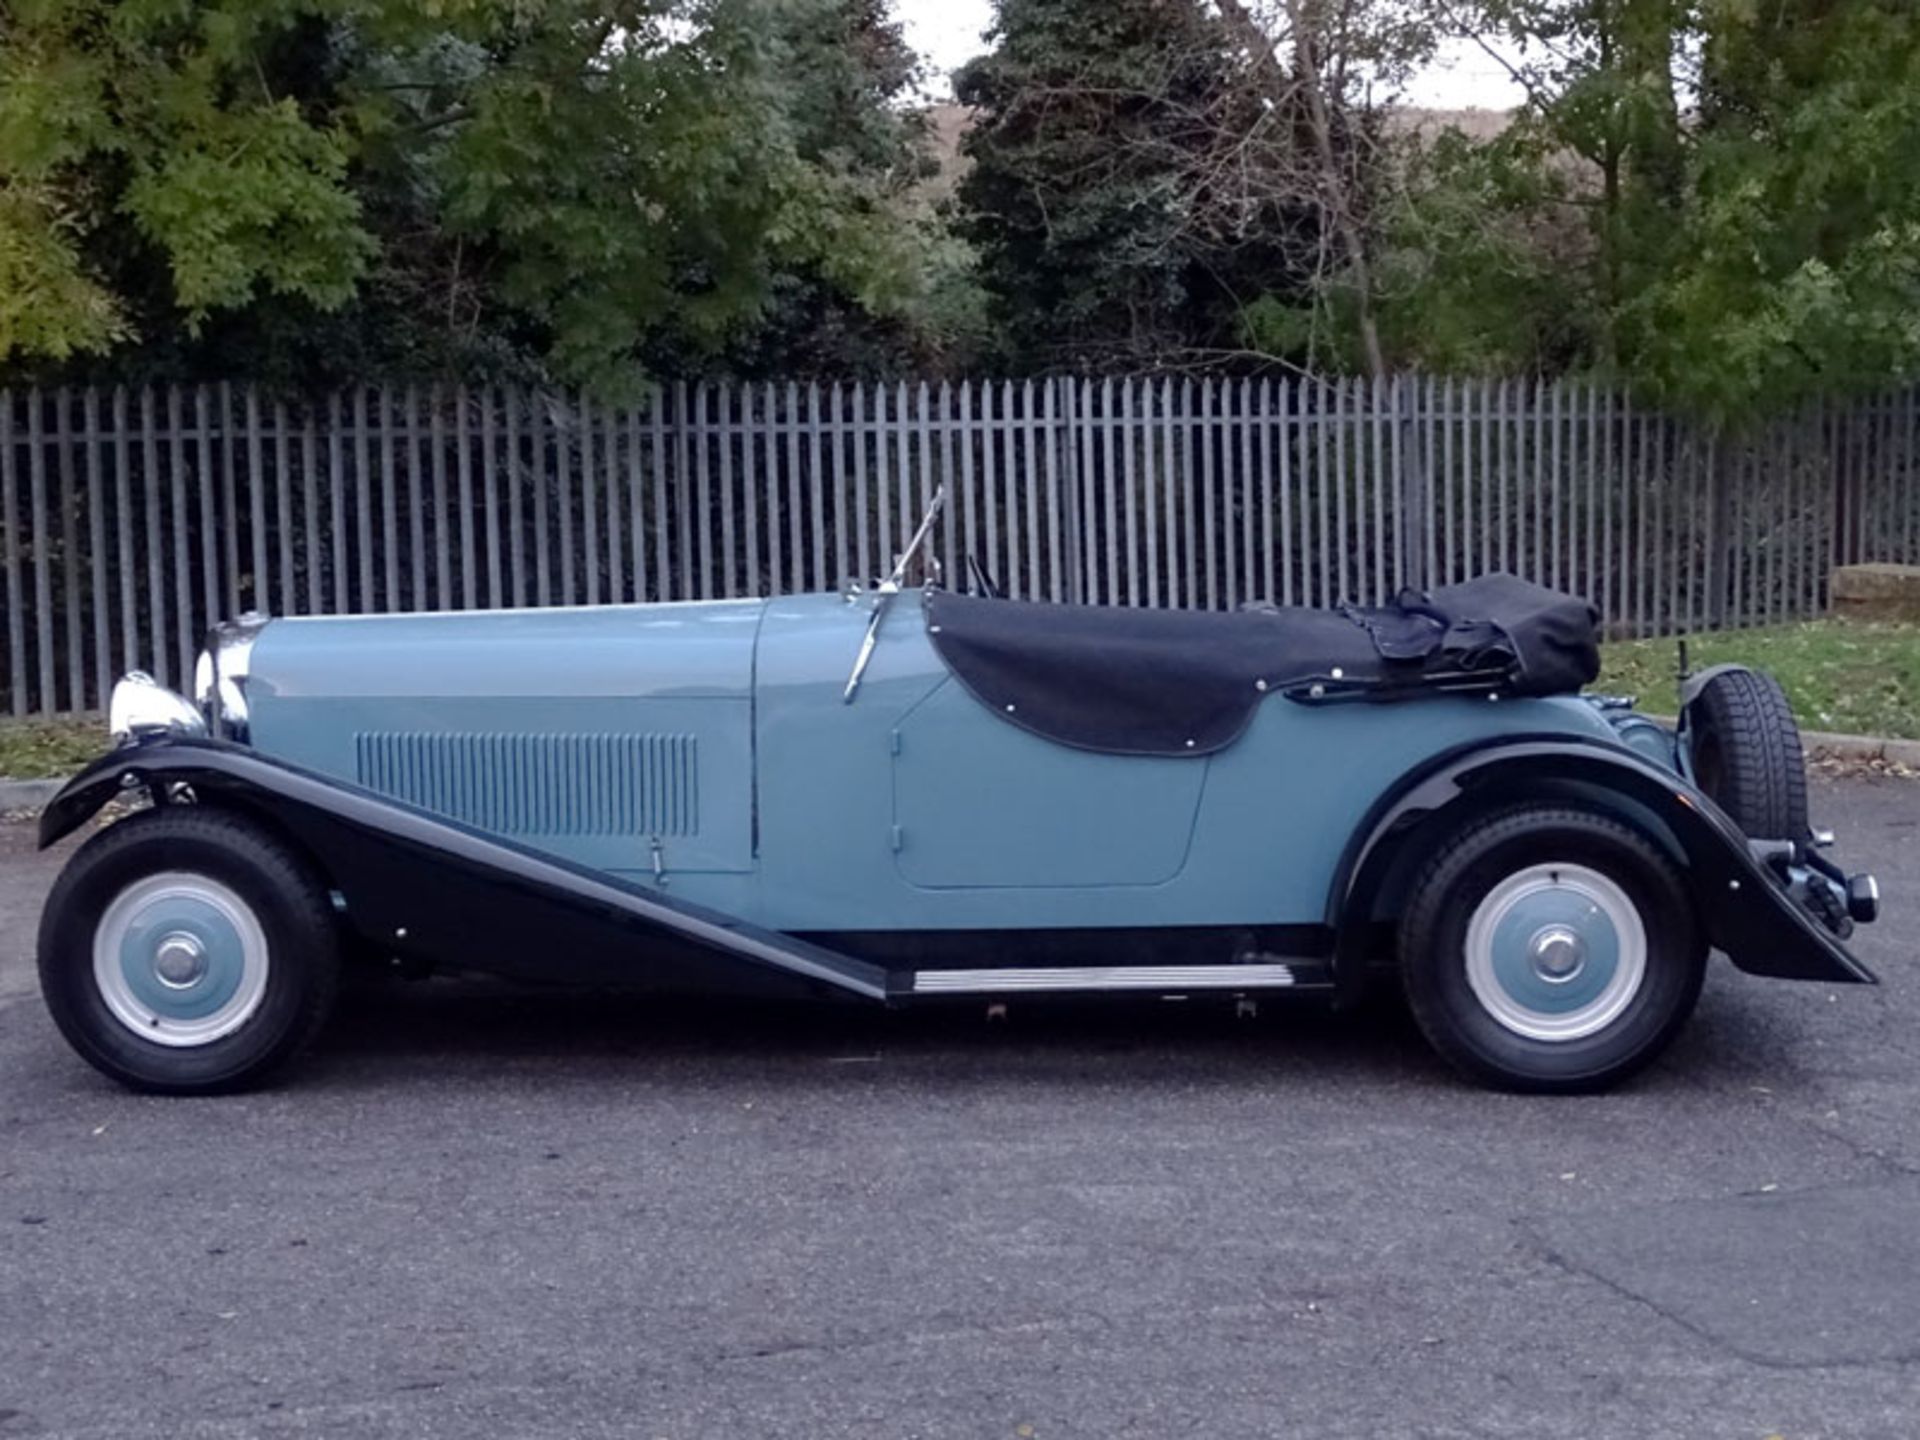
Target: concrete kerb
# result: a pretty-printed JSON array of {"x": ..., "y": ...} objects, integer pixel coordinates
[
  {"x": 1862, "y": 748},
  {"x": 26, "y": 795},
  {"x": 1849, "y": 749}
]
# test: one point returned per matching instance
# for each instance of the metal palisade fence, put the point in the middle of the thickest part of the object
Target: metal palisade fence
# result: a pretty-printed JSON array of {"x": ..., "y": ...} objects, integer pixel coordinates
[{"x": 130, "y": 520}]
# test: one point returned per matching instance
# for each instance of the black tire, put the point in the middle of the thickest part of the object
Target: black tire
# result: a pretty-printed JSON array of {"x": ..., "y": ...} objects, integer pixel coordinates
[
  {"x": 278, "y": 890},
  {"x": 1747, "y": 755},
  {"x": 1502, "y": 849}
]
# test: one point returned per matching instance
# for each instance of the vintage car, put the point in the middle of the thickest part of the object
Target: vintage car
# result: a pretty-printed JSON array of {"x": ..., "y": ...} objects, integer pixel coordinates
[{"x": 905, "y": 795}]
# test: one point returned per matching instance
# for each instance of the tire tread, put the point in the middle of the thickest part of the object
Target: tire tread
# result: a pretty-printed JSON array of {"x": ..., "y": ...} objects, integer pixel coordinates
[{"x": 1764, "y": 779}]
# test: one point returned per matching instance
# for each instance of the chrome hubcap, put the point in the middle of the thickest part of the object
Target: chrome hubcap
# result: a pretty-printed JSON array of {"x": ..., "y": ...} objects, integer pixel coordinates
[
  {"x": 1556, "y": 952},
  {"x": 180, "y": 959}
]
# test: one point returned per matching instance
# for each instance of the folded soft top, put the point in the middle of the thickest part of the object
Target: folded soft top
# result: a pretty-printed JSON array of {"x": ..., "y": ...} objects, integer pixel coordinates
[{"x": 1176, "y": 682}]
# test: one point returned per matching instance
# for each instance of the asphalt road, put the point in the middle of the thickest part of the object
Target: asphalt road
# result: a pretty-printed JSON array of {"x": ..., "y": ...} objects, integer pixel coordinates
[{"x": 480, "y": 1215}]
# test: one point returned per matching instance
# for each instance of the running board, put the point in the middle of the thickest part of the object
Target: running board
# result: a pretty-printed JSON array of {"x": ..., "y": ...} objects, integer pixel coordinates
[{"x": 1167, "y": 979}]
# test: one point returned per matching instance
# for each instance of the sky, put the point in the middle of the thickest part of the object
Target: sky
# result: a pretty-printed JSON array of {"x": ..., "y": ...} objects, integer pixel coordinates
[{"x": 948, "y": 32}]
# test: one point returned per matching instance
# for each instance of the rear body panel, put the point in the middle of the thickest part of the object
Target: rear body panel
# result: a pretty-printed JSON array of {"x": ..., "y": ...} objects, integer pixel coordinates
[{"x": 914, "y": 808}]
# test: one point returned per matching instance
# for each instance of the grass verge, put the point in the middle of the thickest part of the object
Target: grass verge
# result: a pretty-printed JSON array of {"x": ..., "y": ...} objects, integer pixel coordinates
[
  {"x": 49, "y": 749},
  {"x": 1841, "y": 675}
]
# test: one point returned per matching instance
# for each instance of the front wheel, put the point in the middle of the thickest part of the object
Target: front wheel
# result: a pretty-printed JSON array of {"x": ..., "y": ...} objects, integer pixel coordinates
[
  {"x": 188, "y": 951},
  {"x": 1546, "y": 948}
]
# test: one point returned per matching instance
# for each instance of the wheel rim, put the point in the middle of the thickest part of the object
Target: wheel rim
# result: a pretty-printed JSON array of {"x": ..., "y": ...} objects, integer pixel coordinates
[
  {"x": 180, "y": 959},
  {"x": 1556, "y": 952}
]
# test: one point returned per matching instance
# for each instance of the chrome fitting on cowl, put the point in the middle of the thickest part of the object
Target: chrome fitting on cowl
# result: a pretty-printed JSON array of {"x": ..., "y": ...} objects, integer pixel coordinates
[{"x": 220, "y": 675}]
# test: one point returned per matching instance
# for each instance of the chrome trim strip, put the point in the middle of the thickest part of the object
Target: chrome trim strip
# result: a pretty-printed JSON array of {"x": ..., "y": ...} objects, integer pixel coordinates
[{"x": 1171, "y": 978}]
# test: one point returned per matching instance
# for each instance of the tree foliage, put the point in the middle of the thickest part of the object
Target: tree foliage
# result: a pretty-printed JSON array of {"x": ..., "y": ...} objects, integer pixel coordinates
[
  {"x": 1071, "y": 196},
  {"x": 1757, "y": 249},
  {"x": 1482, "y": 261},
  {"x": 1526, "y": 247},
  {"x": 1796, "y": 270},
  {"x": 1176, "y": 179},
  {"x": 1710, "y": 199},
  {"x": 549, "y": 184}
]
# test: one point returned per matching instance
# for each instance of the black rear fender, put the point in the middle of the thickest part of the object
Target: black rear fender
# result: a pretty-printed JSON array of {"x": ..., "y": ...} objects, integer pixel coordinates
[{"x": 1744, "y": 908}]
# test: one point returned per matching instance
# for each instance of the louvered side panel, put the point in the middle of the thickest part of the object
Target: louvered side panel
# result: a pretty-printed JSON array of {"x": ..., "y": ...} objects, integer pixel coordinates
[{"x": 517, "y": 784}]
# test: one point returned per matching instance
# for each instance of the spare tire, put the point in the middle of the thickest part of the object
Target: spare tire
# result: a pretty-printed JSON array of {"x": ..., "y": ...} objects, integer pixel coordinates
[{"x": 1747, "y": 755}]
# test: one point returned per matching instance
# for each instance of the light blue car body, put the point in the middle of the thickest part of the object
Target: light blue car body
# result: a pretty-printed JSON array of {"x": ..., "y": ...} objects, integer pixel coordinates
[{"x": 706, "y": 749}]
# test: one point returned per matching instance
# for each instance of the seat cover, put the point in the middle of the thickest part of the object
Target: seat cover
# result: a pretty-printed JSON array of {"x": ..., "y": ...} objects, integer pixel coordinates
[{"x": 1180, "y": 682}]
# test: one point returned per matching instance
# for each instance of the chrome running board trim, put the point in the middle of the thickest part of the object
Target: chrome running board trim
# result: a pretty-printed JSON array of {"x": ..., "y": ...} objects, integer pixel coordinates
[{"x": 1170, "y": 978}]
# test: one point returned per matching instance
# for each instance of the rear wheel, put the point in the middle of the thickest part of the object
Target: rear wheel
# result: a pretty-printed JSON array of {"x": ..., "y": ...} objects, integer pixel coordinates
[
  {"x": 1747, "y": 755},
  {"x": 188, "y": 950},
  {"x": 1550, "y": 949}
]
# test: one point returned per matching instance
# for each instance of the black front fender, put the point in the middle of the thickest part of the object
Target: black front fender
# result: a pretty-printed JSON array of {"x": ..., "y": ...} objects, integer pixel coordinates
[
  {"x": 1747, "y": 912},
  {"x": 419, "y": 884},
  {"x": 86, "y": 794}
]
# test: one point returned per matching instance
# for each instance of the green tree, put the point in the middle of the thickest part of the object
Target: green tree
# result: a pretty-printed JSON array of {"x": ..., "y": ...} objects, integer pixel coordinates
[
  {"x": 1483, "y": 262},
  {"x": 1086, "y": 196},
  {"x": 136, "y": 120},
  {"x": 1172, "y": 179},
  {"x": 314, "y": 188},
  {"x": 1315, "y": 64},
  {"x": 1796, "y": 271},
  {"x": 1528, "y": 247},
  {"x": 1760, "y": 251},
  {"x": 848, "y": 78}
]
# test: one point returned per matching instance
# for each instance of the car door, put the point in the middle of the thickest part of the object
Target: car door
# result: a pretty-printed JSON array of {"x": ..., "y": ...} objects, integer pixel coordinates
[{"x": 981, "y": 804}]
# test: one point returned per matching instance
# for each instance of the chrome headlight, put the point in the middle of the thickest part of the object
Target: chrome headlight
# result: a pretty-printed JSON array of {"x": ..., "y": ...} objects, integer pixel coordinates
[
  {"x": 221, "y": 673},
  {"x": 142, "y": 707}
]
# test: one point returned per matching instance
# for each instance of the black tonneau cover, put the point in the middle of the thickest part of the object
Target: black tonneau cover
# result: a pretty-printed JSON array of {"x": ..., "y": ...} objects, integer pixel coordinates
[{"x": 1181, "y": 682}]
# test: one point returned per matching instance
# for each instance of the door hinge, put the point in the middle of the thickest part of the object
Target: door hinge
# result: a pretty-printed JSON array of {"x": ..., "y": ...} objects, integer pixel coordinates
[
  {"x": 893, "y": 742},
  {"x": 898, "y": 838}
]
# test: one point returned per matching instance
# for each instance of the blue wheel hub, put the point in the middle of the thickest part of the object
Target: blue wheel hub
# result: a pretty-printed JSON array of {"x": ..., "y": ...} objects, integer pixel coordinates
[
  {"x": 1556, "y": 952},
  {"x": 180, "y": 959}
]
